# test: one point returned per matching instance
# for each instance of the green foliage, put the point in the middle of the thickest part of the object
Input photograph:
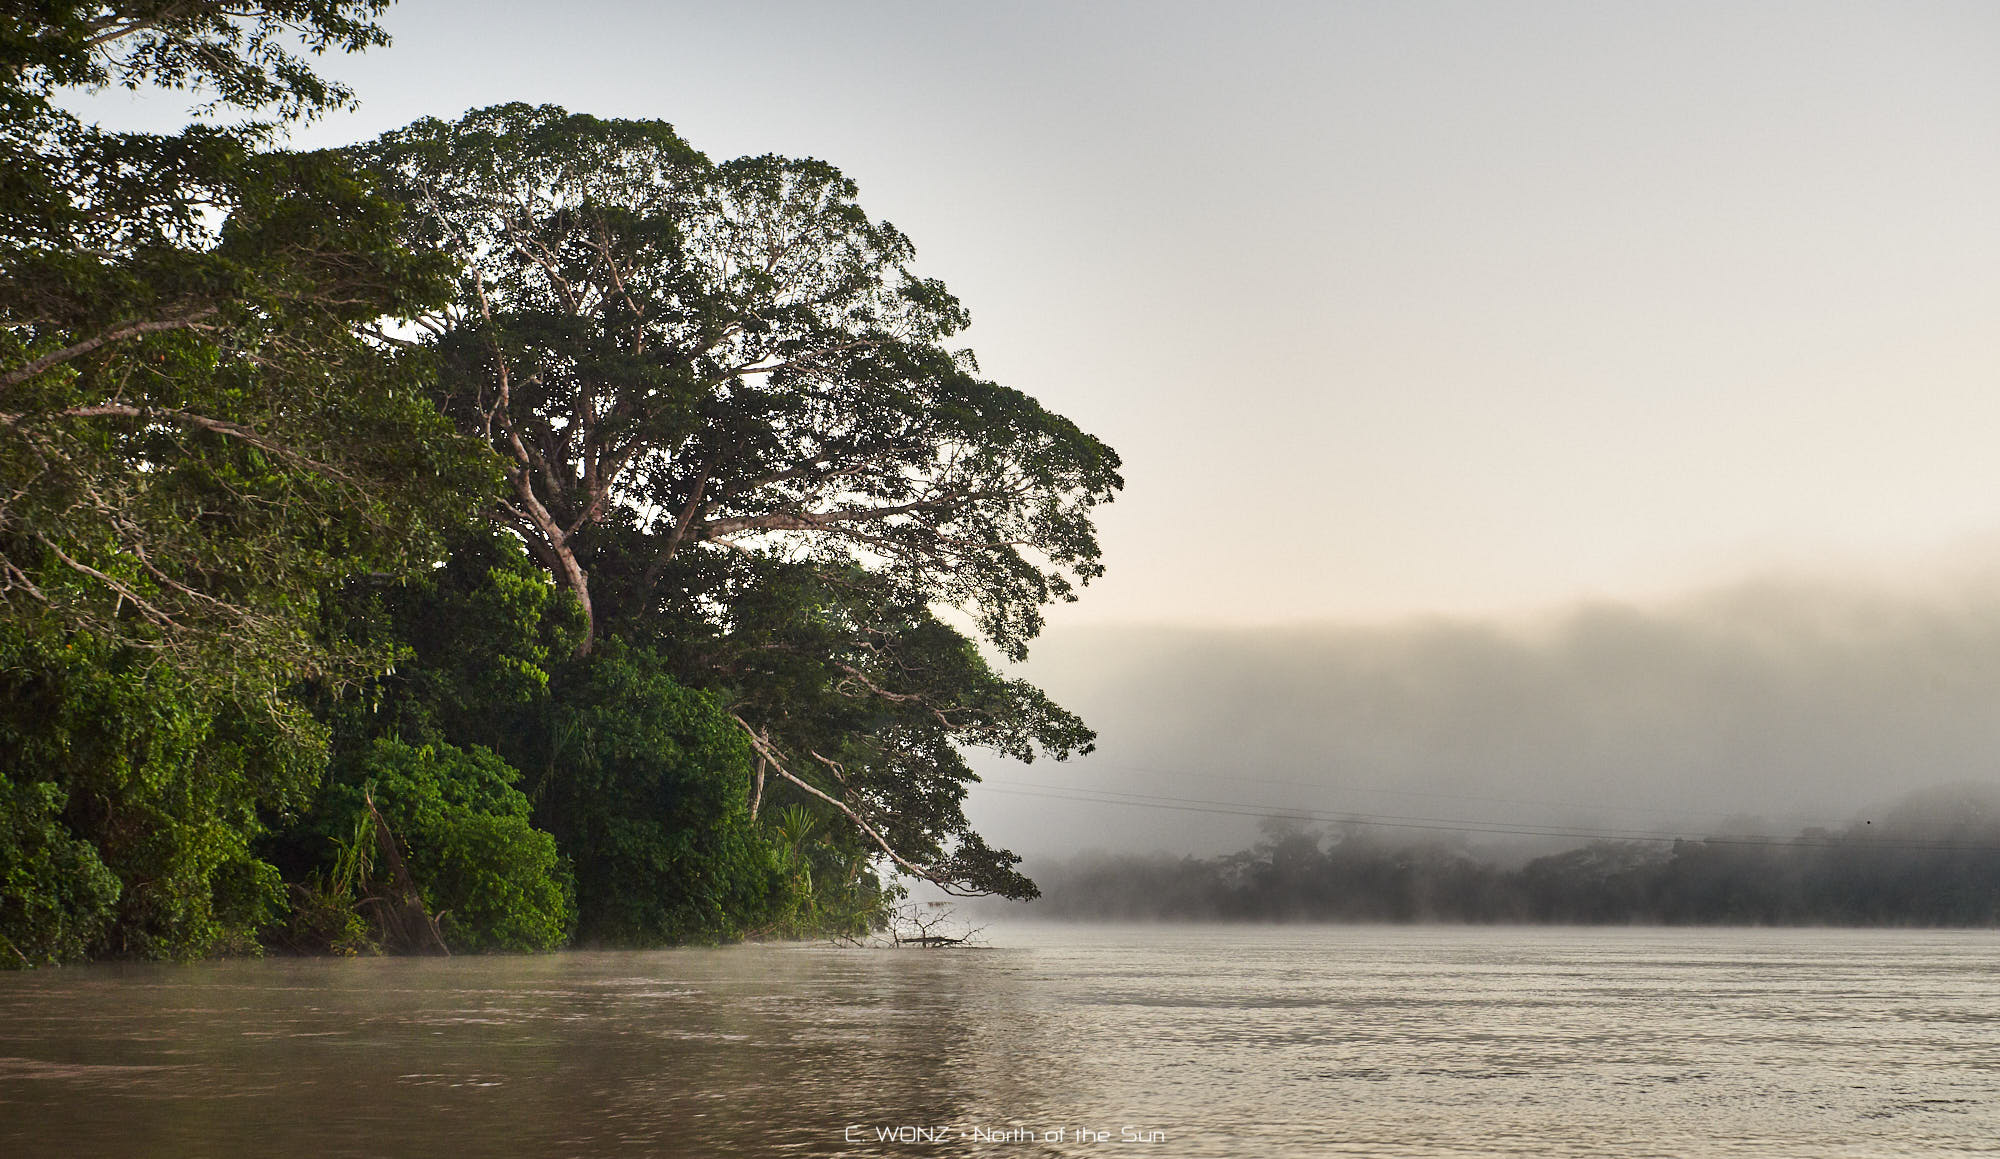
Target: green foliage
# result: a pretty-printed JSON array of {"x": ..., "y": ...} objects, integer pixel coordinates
[
  {"x": 645, "y": 783},
  {"x": 196, "y": 437},
  {"x": 199, "y": 432},
  {"x": 166, "y": 785},
  {"x": 723, "y": 403},
  {"x": 641, "y": 780},
  {"x": 475, "y": 641},
  {"x": 200, "y": 428},
  {"x": 829, "y": 891},
  {"x": 57, "y": 900},
  {"x": 717, "y": 385},
  {"x": 493, "y": 881},
  {"x": 326, "y": 914},
  {"x": 235, "y": 51},
  {"x": 834, "y": 662}
]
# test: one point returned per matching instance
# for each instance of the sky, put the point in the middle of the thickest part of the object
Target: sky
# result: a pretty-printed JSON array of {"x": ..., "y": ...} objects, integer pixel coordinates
[{"x": 1422, "y": 328}]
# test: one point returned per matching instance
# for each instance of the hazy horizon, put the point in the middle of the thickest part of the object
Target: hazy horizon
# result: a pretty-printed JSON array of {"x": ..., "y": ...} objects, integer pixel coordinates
[{"x": 1779, "y": 703}]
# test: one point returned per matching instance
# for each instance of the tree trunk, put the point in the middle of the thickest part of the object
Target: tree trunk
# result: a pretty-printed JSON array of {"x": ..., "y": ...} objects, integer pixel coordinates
[
  {"x": 573, "y": 577},
  {"x": 407, "y": 925}
]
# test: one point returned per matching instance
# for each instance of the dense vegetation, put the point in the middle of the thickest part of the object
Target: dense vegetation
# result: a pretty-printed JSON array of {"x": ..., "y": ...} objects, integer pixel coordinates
[
  {"x": 1934, "y": 860},
  {"x": 511, "y": 533}
]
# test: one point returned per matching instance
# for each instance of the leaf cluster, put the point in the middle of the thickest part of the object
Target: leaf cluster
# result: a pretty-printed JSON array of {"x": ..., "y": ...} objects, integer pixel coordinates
[
  {"x": 240, "y": 53},
  {"x": 492, "y": 880},
  {"x": 198, "y": 430},
  {"x": 641, "y": 781},
  {"x": 872, "y": 691},
  {"x": 169, "y": 787}
]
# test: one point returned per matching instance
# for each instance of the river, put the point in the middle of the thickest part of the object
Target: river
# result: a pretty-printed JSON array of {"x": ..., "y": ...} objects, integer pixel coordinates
[{"x": 1048, "y": 1040}]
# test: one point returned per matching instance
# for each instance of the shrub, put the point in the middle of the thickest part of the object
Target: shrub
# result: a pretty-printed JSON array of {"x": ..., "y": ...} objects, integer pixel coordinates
[{"x": 492, "y": 879}]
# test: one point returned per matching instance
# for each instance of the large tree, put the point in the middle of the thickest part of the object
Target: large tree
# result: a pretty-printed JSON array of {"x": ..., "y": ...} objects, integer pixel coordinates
[
  {"x": 684, "y": 363},
  {"x": 734, "y": 355},
  {"x": 199, "y": 427},
  {"x": 199, "y": 432}
]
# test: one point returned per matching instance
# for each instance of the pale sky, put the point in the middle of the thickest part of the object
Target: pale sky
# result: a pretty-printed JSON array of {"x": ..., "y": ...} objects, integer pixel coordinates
[
  {"x": 1392, "y": 309},
  {"x": 1409, "y": 310}
]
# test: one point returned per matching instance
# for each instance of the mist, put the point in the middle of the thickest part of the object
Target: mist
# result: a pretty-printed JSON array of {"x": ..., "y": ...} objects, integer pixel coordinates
[
  {"x": 1767, "y": 706},
  {"x": 1934, "y": 860}
]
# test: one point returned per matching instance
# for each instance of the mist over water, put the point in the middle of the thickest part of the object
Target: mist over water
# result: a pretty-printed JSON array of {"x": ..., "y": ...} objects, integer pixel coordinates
[
  {"x": 1208, "y": 1041},
  {"x": 1933, "y": 861},
  {"x": 1767, "y": 706}
]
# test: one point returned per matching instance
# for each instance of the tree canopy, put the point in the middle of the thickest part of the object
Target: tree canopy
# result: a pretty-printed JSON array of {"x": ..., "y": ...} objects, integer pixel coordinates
[
  {"x": 732, "y": 424},
  {"x": 199, "y": 427},
  {"x": 732, "y": 355},
  {"x": 244, "y": 55}
]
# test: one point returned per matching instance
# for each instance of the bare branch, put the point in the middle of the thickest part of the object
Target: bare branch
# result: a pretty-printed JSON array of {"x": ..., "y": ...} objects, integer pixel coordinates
[
  {"x": 862, "y": 679},
  {"x": 146, "y": 608},
  {"x": 236, "y": 431},
  {"x": 820, "y": 520},
  {"x": 769, "y": 753},
  {"x": 129, "y": 330}
]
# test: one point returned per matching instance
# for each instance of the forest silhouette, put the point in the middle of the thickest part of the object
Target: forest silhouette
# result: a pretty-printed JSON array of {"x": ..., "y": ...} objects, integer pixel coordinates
[{"x": 1932, "y": 859}]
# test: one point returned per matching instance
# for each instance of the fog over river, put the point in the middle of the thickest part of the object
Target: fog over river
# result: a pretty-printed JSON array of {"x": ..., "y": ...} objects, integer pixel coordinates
[{"x": 1767, "y": 706}]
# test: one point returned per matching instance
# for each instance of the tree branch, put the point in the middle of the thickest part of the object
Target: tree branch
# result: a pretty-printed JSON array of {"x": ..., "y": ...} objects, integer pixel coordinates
[
  {"x": 236, "y": 431},
  {"x": 816, "y": 520},
  {"x": 129, "y": 330},
  {"x": 766, "y": 751},
  {"x": 146, "y": 608}
]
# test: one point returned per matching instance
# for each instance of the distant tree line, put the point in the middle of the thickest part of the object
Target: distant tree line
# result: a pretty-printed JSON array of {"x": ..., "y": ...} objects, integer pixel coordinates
[
  {"x": 1932, "y": 861},
  {"x": 514, "y": 532}
]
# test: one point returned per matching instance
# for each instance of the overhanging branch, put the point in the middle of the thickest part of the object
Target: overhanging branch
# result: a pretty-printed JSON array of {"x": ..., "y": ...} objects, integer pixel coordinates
[
  {"x": 767, "y": 752},
  {"x": 56, "y": 358}
]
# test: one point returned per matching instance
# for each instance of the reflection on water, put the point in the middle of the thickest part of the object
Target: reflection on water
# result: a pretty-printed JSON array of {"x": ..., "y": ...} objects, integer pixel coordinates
[{"x": 1167, "y": 1040}]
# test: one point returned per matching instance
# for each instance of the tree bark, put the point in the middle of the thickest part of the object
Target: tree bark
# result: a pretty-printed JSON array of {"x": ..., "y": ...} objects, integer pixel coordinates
[{"x": 409, "y": 923}]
